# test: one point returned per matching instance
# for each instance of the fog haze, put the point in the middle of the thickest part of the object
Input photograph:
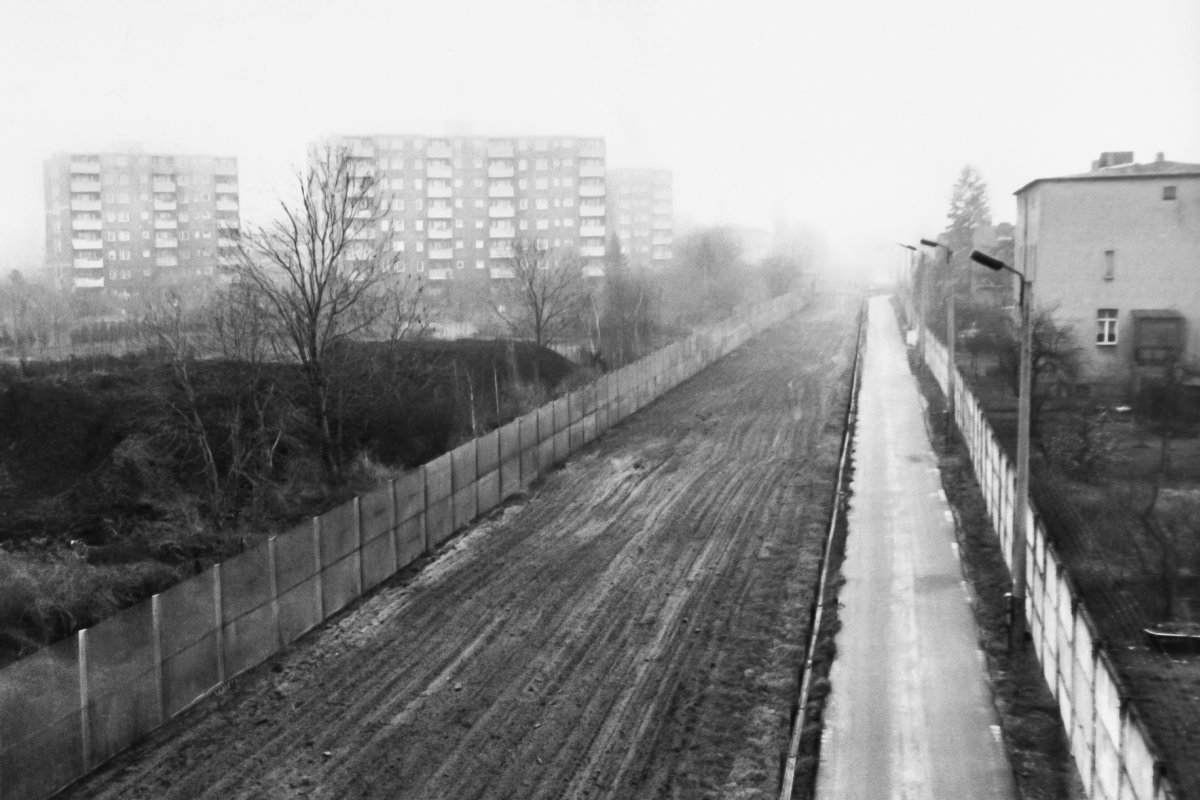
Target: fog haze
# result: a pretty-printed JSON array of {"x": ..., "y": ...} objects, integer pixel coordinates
[{"x": 853, "y": 118}]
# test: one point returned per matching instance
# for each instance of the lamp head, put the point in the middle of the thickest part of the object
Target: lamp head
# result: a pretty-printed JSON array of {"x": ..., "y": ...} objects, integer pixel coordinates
[
  {"x": 928, "y": 243},
  {"x": 988, "y": 261}
]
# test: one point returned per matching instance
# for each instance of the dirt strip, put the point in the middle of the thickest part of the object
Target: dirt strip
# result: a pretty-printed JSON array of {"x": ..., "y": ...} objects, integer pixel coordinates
[{"x": 633, "y": 628}]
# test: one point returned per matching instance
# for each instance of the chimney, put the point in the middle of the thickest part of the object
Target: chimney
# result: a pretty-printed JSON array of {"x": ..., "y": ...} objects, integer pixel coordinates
[
  {"x": 1113, "y": 159},
  {"x": 1159, "y": 157}
]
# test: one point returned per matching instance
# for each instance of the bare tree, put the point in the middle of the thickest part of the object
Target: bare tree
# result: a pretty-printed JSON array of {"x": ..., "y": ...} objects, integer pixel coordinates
[
  {"x": 545, "y": 297},
  {"x": 323, "y": 270}
]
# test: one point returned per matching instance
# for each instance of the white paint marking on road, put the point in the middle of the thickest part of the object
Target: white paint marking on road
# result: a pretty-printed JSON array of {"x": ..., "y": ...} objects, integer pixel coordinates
[
  {"x": 942, "y": 495},
  {"x": 996, "y": 734},
  {"x": 954, "y": 547},
  {"x": 949, "y": 517}
]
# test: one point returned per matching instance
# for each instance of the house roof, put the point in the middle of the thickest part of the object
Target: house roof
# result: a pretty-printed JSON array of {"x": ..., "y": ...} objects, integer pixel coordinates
[{"x": 1154, "y": 169}]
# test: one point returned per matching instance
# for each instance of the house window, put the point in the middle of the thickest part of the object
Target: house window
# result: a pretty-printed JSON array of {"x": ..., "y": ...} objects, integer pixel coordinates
[
  {"x": 479, "y": 263},
  {"x": 1106, "y": 326},
  {"x": 1110, "y": 264},
  {"x": 1168, "y": 193}
]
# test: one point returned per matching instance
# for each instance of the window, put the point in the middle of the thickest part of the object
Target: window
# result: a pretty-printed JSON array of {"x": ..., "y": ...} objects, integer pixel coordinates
[
  {"x": 479, "y": 183},
  {"x": 1106, "y": 326},
  {"x": 145, "y": 234},
  {"x": 523, "y": 203},
  {"x": 524, "y": 224},
  {"x": 458, "y": 265},
  {"x": 458, "y": 183},
  {"x": 479, "y": 263},
  {"x": 479, "y": 223},
  {"x": 110, "y": 236},
  {"x": 458, "y": 203},
  {"x": 1168, "y": 193},
  {"x": 542, "y": 204},
  {"x": 1110, "y": 264},
  {"x": 145, "y": 254},
  {"x": 459, "y": 244},
  {"x": 540, "y": 183},
  {"x": 543, "y": 224},
  {"x": 479, "y": 244},
  {"x": 419, "y": 224}
]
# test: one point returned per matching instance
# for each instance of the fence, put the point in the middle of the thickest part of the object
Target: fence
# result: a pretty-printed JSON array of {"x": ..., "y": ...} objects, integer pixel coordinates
[
  {"x": 69, "y": 707},
  {"x": 1110, "y": 743}
]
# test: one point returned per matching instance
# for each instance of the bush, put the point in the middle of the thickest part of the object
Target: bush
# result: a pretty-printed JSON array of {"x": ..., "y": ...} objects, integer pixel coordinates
[{"x": 1081, "y": 444}]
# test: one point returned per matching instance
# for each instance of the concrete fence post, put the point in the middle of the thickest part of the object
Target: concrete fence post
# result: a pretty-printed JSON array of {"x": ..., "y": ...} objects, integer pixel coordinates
[
  {"x": 85, "y": 722},
  {"x": 358, "y": 541},
  {"x": 219, "y": 621},
  {"x": 393, "y": 524},
  {"x": 429, "y": 548},
  {"x": 156, "y": 634},
  {"x": 273, "y": 583},
  {"x": 319, "y": 581}
]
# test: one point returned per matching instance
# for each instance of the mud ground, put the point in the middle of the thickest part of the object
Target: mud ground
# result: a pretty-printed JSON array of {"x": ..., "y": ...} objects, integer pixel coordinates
[{"x": 633, "y": 628}]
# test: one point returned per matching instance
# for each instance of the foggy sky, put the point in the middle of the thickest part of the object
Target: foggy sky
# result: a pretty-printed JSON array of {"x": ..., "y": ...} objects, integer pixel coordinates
[{"x": 854, "y": 118}]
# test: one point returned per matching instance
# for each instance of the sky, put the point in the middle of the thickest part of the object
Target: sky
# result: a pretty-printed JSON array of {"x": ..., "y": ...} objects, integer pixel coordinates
[{"x": 852, "y": 118}]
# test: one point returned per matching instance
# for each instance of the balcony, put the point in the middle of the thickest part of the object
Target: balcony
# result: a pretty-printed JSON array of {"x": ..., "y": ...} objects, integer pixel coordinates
[
  {"x": 163, "y": 186},
  {"x": 501, "y": 169},
  {"x": 502, "y": 149},
  {"x": 226, "y": 166},
  {"x": 166, "y": 224},
  {"x": 226, "y": 188},
  {"x": 592, "y": 251},
  {"x": 438, "y": 274},
  {"x": 165, "y": 205},
  {"x": 87, "y": 224},
  {"x": 662, "y": 209},
  {"x": 501, "y": 190},
  {"x": 85, "y": 168},
  {"x": 591, "y": 209},
  {"x": 661, "y": 224},
  {"x": 438, "y": 169},
  {"x": 591, "y": 188},
  {"x": 227, "y": 224},
  {"x": 227, "y": 244},
  {"x": 591, "y": 148},
  {"x": 441, "y": 233},
  {"x": 86, "y": 185},
  {"x": 662, "y": 254},
  {"x": 441, "y": 191},
  {"x": 165, "y": 242},
  {"x": 441, "y": 253},
  {"x": 502, "y": 211},
  {"x": 438, "y": 148},
  {"x": 92, "y": 261},
  {"x": 500, "y": 251},
  {"x": 593, "y": 271},
  {"x": 591, "y": 169},
  {"x": 222, "y": 205},
  {"x": 166, "y": 261},
  {"x": 439, "y": 212},
  {"x": 502, "y": 273},
  {"x": 87, "y": 244},
  {"x": 502, "y": 231},
  {"x": 661, "y": 239},
  {"x": 82, "y": 204},
  {"x": 88, "y": 282},
  {"x": 590, "y": 230}
]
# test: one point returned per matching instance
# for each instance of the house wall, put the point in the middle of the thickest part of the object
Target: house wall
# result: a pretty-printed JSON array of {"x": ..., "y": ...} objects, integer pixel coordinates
[{"x": 1064, "y": 229}]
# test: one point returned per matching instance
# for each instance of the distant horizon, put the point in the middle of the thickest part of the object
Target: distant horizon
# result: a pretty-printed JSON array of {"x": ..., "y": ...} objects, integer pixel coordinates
[{"x": 853, "y": 120}]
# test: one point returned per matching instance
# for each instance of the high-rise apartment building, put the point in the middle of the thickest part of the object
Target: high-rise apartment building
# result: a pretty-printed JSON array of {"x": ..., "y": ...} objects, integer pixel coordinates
[
  {"x": 130, "y": 222},
  {"x": 457, "y": 203},
  {"x": 640, "y": 212}
]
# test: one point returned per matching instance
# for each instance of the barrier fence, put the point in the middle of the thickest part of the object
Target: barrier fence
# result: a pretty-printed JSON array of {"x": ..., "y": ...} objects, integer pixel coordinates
[
  {"x": 1110, "y": 743},
  {"x": 69, "y": 707}
]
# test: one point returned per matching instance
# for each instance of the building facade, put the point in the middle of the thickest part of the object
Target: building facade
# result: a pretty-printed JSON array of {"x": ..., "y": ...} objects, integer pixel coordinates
[
  {"x": 641, "y": 213},
  {"x": 457, "y": 204},
  {"x": 130, "y": 222},
  {"x": 1115, "y": 252}
]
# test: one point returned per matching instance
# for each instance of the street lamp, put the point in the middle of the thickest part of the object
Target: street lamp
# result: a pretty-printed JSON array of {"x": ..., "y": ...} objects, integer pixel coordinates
[
  {"x": 920, "y": 298},
  {"x": 1021, "y": 501},
  {"x": 951, "y": 341}
]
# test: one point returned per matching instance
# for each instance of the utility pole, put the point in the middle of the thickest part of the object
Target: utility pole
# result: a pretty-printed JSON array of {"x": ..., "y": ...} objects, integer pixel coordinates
[
  {"x": 951, "y": 343},
  {"x": 1021, "y": 500}
]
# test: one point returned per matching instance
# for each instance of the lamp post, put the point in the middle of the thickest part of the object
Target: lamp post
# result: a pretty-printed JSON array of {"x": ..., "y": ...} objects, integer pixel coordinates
[
  {"x": 1021, "y": 501},
  {"x": 951, "y": 342},
  {"x": 920, "y": 297}
]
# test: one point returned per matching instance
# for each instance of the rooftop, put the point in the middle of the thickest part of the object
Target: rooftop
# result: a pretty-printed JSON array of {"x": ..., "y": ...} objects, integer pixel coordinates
[{"x": 1159, "y": 168}]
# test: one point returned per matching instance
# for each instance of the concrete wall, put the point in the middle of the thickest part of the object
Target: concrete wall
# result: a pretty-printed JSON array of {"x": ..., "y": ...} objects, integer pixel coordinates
[
  {"x": 67, "y": 708},
  {"x": 1112, "y": 747}
]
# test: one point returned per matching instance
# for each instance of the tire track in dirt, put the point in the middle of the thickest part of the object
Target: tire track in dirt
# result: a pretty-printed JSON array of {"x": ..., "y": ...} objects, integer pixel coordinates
[{"x": 631, "y": 629}]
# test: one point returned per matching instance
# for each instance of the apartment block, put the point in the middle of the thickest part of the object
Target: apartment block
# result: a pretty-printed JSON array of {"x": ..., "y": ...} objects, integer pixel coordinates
[
  {"x": 129, "y": 222},
  {"x": 457, "y": 203},
  {"x": 641, "y": 214}
]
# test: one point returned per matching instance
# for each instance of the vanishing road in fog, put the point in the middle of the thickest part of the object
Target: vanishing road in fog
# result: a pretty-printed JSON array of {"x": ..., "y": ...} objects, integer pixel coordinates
[{"x": 910, "y": 714}]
